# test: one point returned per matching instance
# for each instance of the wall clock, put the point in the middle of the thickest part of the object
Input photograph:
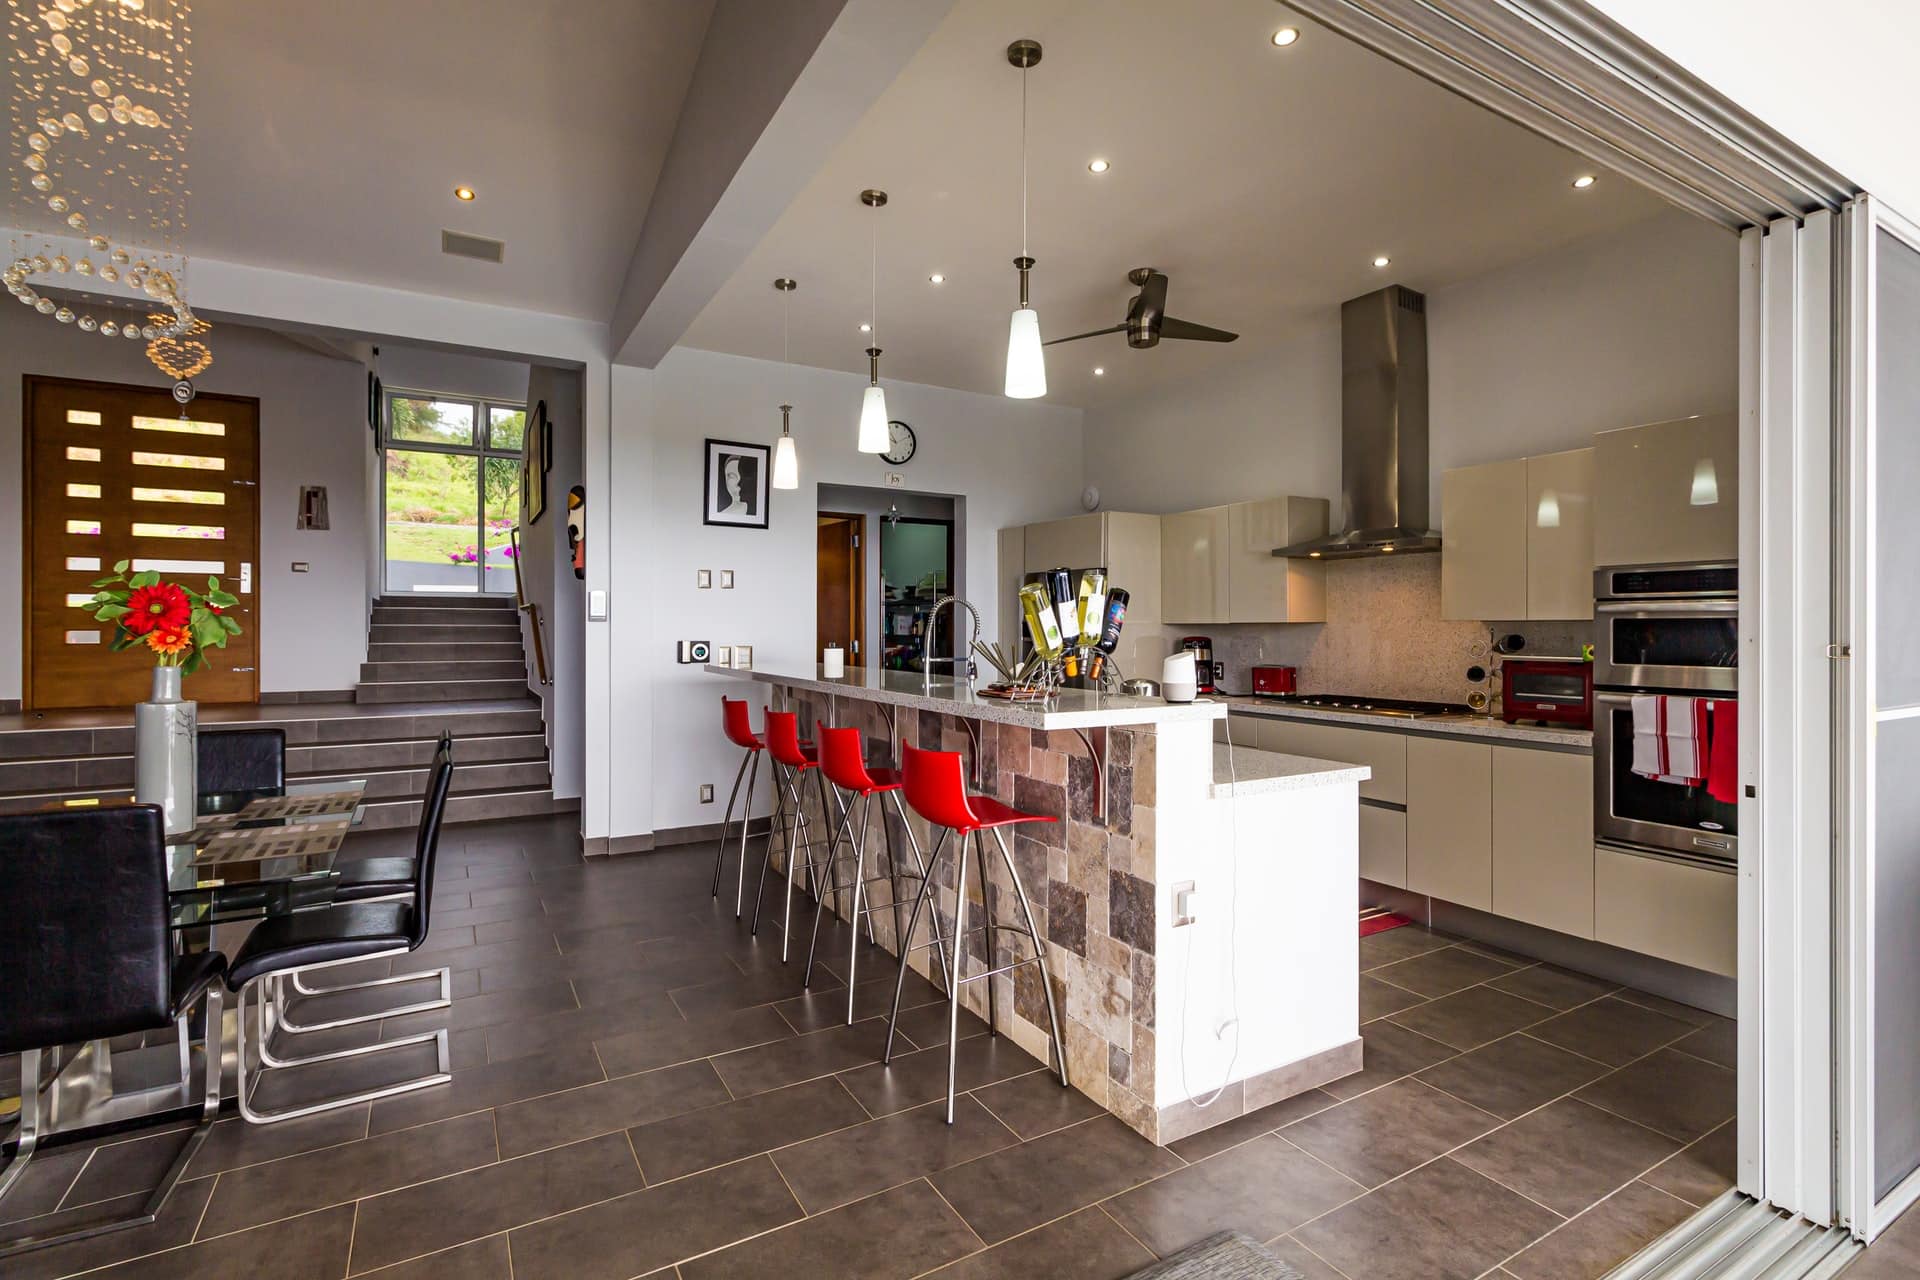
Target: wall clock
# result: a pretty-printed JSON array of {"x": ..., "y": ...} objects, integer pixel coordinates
[{"x": 900, "y": 444}]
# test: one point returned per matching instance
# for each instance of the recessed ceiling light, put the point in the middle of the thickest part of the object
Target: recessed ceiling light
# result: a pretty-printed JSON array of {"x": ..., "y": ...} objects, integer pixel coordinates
[
  {"x": 1096, "y": 166},
  {"x": 866, "y": 328},
  {"x": 937, "y": 278},
  {"x": 1286, "y": 36},
  {"x": 1582, "y": 182},
  {"x": 1382, "y": 260},
  {"x": 463, "y": 193},
  {"x": 1099, "y": 372}
]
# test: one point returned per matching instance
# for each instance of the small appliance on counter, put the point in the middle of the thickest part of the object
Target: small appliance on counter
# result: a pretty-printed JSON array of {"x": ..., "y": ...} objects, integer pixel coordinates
[
  {"x": 1179, "y": 677},
  {"x": 1201, "y": 647},
  {"x": 1557, "y": 691},
  {"x": 1271, "y": 682}
]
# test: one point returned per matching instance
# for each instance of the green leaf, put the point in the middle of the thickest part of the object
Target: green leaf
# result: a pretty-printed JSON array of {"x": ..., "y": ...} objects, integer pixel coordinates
[
  {"x": 108, "y": 612},
  {"x": 222, "y": 599},
  {"x": 213, "y": 585},
  {"x": 122, "y": 566},
  {"x": 193, "y": 663},
  {"x": 232, "y": 627},
  {"x": 147, "y": 579},
  {"x": 106, "y": 582}
]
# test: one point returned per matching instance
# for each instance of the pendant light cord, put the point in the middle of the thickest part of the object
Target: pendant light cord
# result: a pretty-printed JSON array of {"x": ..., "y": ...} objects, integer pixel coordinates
[
  {"x": 1023, "y": 164},
  {"x": 873, "y": 285}
]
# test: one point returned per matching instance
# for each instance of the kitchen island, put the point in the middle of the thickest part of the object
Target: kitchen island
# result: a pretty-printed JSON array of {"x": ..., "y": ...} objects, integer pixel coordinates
[{"x": 1172, "y": 1026}]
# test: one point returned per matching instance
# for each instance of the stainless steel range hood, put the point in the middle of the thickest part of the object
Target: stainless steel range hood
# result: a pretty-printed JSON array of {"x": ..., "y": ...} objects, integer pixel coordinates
[{"x": 1383, "y": 430}]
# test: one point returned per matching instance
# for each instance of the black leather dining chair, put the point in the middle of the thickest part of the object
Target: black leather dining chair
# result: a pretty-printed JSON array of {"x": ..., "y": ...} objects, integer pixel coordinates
[
  {"x": 284, "y": 947},
  {"x": 241, "y": 760},
  {"x": 86, "y": 950},
  {"x": 376, "y": 879}
]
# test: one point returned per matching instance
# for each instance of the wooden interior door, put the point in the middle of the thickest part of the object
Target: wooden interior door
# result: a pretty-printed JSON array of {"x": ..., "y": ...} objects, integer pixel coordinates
[
  {"x": 121, "y": 473},
  {"x": 840, "y": 610}
]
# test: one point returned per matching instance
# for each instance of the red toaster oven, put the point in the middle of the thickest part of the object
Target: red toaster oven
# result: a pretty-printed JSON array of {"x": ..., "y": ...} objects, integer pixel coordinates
[{"x": 1547, "y": 690}]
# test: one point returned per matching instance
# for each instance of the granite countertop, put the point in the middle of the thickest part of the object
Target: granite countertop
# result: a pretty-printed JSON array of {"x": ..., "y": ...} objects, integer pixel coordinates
[
  {"x": 1451, "y": 726},
  {"x": 1067, "y": 709},
  {"x": 1244, "y": 771}
]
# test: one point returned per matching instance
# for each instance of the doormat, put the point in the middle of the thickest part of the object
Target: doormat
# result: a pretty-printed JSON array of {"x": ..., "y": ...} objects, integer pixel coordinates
[{"x": 1378, "y": 920}]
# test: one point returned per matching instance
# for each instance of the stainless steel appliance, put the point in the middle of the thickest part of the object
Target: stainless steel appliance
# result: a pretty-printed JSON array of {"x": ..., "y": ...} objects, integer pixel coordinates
[
  {"x": 1547, "y": 691},
  {"x": 1394, "y": 708},
  {"x": 1202, "y": 649},
  {"x": 1631, "y": 810}
]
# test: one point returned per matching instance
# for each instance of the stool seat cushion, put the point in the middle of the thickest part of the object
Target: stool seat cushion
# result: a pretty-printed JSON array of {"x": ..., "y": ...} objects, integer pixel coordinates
[
  {"x": 344, "y": 931},
  {"x": 193, "y": 973},
  {"x": 887, "y": 779},
  {"x": 373, "y": 878},
  {"x": 994, "y": 814}
]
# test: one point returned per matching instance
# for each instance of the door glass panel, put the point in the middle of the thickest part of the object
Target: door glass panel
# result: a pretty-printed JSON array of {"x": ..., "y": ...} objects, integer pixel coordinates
[
  {"x": 505, "y": 427},
  {"x": 83, "y": 490},
  {"x": 82, "y": 453},
  {"x": 204, "y": 497},
  {"x": 84, "y": 417},
  {"x": 182, "y": 426},
  {"x": 431, "y": 421},
  {"x": 155, "y": 529},
  {"x": 433, "y": 521},
  {"x": 191, "y": 461},
  {"x": 503, "y": 511}
]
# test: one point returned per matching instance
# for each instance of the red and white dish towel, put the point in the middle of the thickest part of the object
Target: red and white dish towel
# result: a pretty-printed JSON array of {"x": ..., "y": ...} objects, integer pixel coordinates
[{"x": 1670, "y": 738}]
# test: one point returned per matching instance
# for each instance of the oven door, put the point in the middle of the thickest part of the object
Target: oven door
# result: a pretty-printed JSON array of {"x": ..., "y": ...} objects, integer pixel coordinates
[
  {"x": 1667, "y": 644},
  {"x": 1630, "y": 809}
]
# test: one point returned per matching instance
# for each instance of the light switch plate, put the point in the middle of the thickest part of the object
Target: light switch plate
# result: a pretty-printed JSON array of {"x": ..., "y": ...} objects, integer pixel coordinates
[
  {"x": 723, "y": 655},
  {"x": 703, "y": 579},
  {"x": 726, "y": 579},
  {"x": 743, "y": 657},
  {"x": 596, "y": 606},
  {"x": 1184, "y": 904},
  {"x": 299, "y": 566}
]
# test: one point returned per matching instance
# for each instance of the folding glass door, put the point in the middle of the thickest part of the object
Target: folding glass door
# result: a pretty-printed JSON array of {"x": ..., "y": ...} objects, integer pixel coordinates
[{"x": 451, "y": 495}]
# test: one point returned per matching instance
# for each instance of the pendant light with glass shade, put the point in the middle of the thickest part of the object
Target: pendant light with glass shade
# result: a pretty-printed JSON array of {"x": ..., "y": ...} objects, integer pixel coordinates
[
  {"x": 874, "y": 436},
  {"x": 1026, "y": 363},
  {"x": 786, "y": 457}
]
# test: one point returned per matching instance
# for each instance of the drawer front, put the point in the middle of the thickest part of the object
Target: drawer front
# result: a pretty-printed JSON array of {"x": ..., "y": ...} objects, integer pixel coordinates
[
  {"x": 1543, "y": 839},
  {"x": 1384, "y": 753},
  {"x": 1383, "y": 845},
  {"x": 1678, "y": 912}
]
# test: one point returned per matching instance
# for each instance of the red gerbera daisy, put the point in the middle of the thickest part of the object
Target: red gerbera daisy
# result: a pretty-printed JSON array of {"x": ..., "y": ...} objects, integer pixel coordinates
[{"x": 162, "y": 605}]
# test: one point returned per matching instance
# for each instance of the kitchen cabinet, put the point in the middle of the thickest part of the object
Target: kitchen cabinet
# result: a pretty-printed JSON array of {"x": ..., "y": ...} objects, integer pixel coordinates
[
  {"x": 1668, "y": 492},
  {"x": 1009, "y": 574},
  {"x": 1543, "y": 838},
  {"x": 1217, "y": 563},
  {"x": 1383, "y": 752},
  {"x": 1126, "y": 543},
  {"x": 1517, "y": 539},
  {"x": 1383, "y": 845},
  {"x": 1679, "y": 911},
  {"x": 1450, "y": 820}
]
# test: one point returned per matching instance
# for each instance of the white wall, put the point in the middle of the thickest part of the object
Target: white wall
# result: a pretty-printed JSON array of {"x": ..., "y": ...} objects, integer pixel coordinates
[
  {"x": 313, "y": 430},
  {"x": 1015, "y": 462},
  {"x": 1632, "y": 326},
  {"x": 410, "y": 368},
  {"x": 546, "y": 569}
]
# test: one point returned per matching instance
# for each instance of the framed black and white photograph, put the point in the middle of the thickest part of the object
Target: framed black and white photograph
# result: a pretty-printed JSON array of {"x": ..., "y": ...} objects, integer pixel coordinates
[
  {"x": 536, "y": 460},
  {"x": 736, "y": 484}
]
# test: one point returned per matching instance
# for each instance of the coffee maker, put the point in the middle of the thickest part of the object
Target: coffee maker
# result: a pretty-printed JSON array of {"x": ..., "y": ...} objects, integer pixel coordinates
[{"x": 1202, "y": 649}]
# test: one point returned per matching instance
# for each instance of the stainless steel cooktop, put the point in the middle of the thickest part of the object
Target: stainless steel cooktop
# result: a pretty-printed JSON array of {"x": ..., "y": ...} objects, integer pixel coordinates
[{"x": 1397, "y": 708}]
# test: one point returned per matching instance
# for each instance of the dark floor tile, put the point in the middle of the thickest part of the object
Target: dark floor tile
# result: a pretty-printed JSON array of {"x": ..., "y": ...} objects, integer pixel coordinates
[
  {"x": 1244, "y": 1128},
  {"x": 784, "y": 1062},
  {"x": 282, "y": 1088},
  {"x": 1037, "y": 1103},
  {"x": 559, "y": 1118},
  {"x": 511, "y": 927},
  {"x": 665, "y": 1045},
  {"x": 1718, "y": 1042},
  {"x": 1555, "y": 988},
  {"x": 1388, "y": 1052},
  {"x": 1612, "y": 1030},
  {"x": 1441, "y": 1222},
  {"x": 493, "y": 1085},
  {"x": 476, "y": 1260},
  {"x": 1407, "y": 941},
  {"x": 643, "y": 978},
  {"x": 725, "y": 994},
  {"x": 312, "y": 1246},
  {"x": 1513, "y": 1075},
  {"x": 854, "y": 1163},
  {"x": 1603, "y": 1237},
  {"x": 172, "y": 1228},
  {"x": 683, "y": 1144},
  {"x": 1702, "y": 1171},
  {"x": 1383, "y": 1134},
  {"x": 1683, "y": 1097},
  {"x": 1087, "y": 1245},
  {"x": 1567, "y": 1155},
  {"x": 434, "y": 1215},
  {"x": 50, "y": 1173},
  {"x": 1013, "y": 1190},
  {"x": 872, "y": 998},
  {"x": 651, "y": 1229},
  {"x": 1672, "y": 1008},
  {"x": 891, "y": 1236},
  {"x": 1264, "y": 1188},
  {"x": 1302, "y": 1259},
  {"x": 1378, "y": 999},
  {"x": 1443, "y": 972},
  {"x": 486, "y": 1009},
  {"x": 581, "y": 1026},
  {"x": 1468, "y": 1019},
  {"x": 335, "y": 1175},
  {"x": 925, "y": 1026},
  {"x": 913, "y": 1078}
]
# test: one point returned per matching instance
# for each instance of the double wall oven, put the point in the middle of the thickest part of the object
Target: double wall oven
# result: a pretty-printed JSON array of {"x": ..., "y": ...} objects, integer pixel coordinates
[{"x": 1661, "y": 629}]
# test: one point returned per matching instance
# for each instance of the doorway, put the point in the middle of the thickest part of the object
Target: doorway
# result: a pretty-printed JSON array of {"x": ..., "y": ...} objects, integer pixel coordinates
[
  {"x": 840, "y": 607},
  {"x": 450, "y": 493},
  {"x": 916, "y": 569},
  {"x": 121, "y": 473}
]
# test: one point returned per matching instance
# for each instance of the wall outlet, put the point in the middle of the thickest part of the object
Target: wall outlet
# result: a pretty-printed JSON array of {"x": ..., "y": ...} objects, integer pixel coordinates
[
  {"x": 1185, "y": 902},
  {"x": 299, "y": 566},
  {"x": 706, "y": 793}
]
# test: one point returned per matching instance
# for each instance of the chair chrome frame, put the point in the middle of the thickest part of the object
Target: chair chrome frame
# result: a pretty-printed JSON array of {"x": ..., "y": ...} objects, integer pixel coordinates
[{"x": 29, "y": 1136}]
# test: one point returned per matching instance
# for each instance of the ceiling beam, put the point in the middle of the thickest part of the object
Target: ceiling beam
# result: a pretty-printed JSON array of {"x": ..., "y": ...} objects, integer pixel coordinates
[{"x": 776, "y": 88}]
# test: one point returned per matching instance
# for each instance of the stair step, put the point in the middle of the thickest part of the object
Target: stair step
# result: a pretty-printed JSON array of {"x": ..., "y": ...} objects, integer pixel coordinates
[
  {"x": 435, "y": 600},
  {"x": 485, "y": 806},
  {"x": 401, "y": 784},
  {"x": 397, "y": 722},
  {"x": 388, "y": 613},
  {"x": 457, "y": 667},
  {"x": 482, "y": 651},
  {"x": 428, "y": 633},
  {"x": 438, "y": 690}
]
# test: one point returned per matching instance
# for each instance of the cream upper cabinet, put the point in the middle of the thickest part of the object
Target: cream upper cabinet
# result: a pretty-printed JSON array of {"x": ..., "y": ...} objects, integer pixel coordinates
[
  {"x": 1543, "y": 838},
  {"x": 1006, "y": 587},
  {"x": 1450, "y": 820},
  {"x": 1193, "y": 565},
  {"x": 1668, "y": 492},
  {"x": 1074, "y": 542},
  {"x": 1217, "y": 564},
  {"x": 1125, "y": 543},
  {"x": 1483, "y": 541},
  {"x": 1560, "y": 535}
]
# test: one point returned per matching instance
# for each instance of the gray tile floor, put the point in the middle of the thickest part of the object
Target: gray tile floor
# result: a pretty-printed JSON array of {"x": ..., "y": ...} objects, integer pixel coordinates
[{"x": 642, "y": 1088}]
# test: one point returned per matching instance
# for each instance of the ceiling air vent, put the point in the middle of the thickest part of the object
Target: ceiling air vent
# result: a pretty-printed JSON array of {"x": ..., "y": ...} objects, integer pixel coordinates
[{"x": 462, "y": 245}]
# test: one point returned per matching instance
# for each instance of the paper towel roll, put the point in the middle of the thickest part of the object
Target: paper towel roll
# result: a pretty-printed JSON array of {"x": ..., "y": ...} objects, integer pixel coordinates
[{"x": 833, "y": 662}]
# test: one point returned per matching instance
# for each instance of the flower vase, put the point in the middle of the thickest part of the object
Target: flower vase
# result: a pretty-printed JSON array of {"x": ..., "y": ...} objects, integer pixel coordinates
[{"x": 166, "y": 729}]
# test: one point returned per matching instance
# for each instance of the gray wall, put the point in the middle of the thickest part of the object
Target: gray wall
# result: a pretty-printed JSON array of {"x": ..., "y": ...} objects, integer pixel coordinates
[{"x": 547, "y": 570}]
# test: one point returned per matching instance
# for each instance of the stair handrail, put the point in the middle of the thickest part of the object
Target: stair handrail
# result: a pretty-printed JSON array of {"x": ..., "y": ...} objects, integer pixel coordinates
[{"x": 530, "y": 608}]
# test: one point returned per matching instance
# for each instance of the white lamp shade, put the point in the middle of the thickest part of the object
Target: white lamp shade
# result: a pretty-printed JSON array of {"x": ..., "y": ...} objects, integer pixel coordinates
[
  {"x": 873, "y": 421},
  {"x": 1026, "y": 362},
  {"x": 786, "y": 464}
]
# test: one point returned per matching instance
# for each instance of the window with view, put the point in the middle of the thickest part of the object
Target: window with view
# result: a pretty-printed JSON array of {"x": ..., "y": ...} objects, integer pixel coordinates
[{"x": 451, "y": 495}]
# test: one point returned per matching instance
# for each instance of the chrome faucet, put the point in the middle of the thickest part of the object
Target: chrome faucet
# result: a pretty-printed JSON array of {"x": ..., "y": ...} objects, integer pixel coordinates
[{"x": 961, "y": 651}]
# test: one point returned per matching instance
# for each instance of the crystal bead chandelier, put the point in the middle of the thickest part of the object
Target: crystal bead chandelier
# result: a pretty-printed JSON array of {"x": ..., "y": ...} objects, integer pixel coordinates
[{"x": 99, "y": 95}]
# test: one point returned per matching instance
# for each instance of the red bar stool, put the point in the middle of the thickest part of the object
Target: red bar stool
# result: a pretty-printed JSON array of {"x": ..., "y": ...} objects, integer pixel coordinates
[
  {"x": 793, "y": 759},
  {"x": 843, "y": 761},
  {"x": 734, "y": 720},
  {"x": 937, "y": 789}
]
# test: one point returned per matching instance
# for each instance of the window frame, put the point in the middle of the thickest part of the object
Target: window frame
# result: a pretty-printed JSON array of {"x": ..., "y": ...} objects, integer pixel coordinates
[{"x": 478, "y": 448}]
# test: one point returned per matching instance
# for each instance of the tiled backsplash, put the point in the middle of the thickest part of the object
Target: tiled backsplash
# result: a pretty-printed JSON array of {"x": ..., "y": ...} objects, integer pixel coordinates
[{"x": 1383, "y": 636}]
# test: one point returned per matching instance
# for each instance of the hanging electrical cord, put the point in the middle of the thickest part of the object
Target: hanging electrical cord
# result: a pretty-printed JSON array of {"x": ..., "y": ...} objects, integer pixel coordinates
[{"x": 1232, "y": 1021}]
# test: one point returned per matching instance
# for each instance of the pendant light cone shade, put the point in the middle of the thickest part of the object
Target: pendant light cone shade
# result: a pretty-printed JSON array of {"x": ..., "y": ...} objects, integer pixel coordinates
[
  {"x": 1026, "y": 365},
  {"x": 786, "y": 457},
  {"x": 873, "y": 405}
]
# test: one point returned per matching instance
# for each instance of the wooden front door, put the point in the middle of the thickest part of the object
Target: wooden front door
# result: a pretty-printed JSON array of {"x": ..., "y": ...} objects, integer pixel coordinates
[
  {"x": 119, "y": 473},
  {"x": 840, "y": 609}
]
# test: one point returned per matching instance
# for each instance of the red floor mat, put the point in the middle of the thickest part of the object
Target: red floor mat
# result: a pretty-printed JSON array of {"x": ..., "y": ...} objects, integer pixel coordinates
[{"x": 1378, "y": 920}]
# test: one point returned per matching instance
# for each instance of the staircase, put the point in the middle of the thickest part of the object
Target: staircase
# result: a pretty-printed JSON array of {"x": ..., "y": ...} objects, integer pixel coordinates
[{"x": 452, "y": 649}]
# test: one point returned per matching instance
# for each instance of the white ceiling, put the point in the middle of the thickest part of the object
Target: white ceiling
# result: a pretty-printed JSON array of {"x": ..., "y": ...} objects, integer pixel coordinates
[
  {"x": 1262, "y": 180},
  {"x": 327, "y": 139}
]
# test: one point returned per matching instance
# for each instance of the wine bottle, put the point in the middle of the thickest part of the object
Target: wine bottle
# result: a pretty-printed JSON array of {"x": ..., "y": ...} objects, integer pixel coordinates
[
  {"x": 1117, "y": 601},
  {"x": 1092, "y": 606},
  {"x": 1066, "y": 608},
  {"x": 1043, "y": 623}
]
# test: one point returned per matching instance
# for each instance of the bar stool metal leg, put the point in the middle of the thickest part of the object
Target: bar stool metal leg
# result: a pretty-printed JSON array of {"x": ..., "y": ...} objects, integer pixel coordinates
[
  {"x": 913, "y": 923},
  {"x": 953, "y": 982},
  {"x": 920, "y": 867},
  {"x": 776, "y": 823},
  {"x": 1040, "y": 950},
  {"x": 720, "y": 845},
  {"x": 832, "y": 887},
  {"x": 746, "y": 820},
  {"x": 992, "y": 942}
]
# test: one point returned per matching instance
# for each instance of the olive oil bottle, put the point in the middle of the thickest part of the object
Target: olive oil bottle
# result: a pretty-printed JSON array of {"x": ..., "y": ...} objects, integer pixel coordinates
[{"x": 1043, "y": 624}]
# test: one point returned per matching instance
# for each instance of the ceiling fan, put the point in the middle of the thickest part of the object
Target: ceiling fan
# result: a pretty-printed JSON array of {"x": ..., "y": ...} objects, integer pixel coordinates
[{"x": 1147, "y": 320}]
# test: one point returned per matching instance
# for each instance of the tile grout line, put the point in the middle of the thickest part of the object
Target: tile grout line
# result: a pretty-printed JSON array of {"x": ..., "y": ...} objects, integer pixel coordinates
[{"x": 1108, "y": 1213}]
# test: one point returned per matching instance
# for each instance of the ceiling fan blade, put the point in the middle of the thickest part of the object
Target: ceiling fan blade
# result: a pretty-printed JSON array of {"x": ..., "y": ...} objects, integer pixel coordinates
[
  {"x": 1095, "y": 333},
  {"x": 1172, "y": 328},
  {"x": 1153, "y": 295}
]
